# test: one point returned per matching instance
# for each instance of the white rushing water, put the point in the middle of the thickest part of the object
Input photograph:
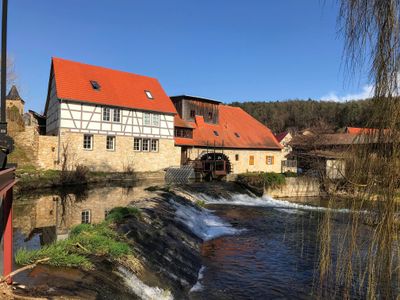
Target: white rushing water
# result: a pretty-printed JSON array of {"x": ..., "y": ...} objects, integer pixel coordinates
[
  {"x": 202, "y": 222},
  {"x": 198, "y": 286},
  {"x": 142, "y": 290},
  {"x": 266, "y": 201}
]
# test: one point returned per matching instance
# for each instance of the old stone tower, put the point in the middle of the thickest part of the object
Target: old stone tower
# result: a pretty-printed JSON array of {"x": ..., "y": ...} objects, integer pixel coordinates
[{"x": 14, "y": 102}]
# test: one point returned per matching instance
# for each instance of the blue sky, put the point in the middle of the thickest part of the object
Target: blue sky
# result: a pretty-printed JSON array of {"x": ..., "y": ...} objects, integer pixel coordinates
[{"x": 229, "y": 50}]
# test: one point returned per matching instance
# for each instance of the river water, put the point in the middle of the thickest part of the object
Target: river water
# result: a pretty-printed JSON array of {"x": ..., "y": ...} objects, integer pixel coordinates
[{"x": 255, "y": 248}]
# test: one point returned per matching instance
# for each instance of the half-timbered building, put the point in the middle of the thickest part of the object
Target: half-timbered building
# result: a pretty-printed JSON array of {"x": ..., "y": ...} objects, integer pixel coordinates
[{"x": 107, "y": 120}]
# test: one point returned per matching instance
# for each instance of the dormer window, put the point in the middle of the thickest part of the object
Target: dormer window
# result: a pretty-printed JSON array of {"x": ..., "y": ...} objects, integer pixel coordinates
[
  {"x": 149, "y": 95},
  {"x": 237, "y": 135},
  {"x": 95, "y": 85},
  {"x": 216, "y": 133}
]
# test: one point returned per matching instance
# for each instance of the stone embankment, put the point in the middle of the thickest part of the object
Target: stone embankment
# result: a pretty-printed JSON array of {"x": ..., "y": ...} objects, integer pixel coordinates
[{"x": 296, "y": 187}]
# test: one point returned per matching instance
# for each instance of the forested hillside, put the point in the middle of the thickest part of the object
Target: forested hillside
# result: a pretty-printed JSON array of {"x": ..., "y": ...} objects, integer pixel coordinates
[{"x": 301, "y": 114}]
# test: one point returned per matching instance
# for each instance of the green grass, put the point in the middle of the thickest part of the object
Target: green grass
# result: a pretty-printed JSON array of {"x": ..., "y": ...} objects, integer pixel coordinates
[
  {"x": 200, "y": 203},
  {"x": 84, "y": 242}
]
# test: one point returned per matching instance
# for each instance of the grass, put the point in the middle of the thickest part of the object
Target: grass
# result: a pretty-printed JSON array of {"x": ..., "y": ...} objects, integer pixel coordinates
[
  {"x": 200, "y": 203},
  {"x": 84, "y": 242},
  {"x": 19, "y": 156}
]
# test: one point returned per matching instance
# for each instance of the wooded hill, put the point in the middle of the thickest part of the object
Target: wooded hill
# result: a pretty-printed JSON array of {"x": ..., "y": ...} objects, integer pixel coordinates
[{"x": 300, "y": 114}]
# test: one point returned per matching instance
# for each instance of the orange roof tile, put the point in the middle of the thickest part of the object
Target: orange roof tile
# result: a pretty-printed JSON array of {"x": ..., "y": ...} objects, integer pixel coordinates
[
  {"x": 117, "y": 88},
  {"x": 357, "y": 130},
  {"x": 179, "y": 122},
  {"x": 232, "y": 120}
]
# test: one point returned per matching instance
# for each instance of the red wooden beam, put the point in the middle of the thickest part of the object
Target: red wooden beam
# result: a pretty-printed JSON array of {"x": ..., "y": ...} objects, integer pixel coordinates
[
  {"x": 8, "y": 234},
  {"x": 7, "y": 181}
]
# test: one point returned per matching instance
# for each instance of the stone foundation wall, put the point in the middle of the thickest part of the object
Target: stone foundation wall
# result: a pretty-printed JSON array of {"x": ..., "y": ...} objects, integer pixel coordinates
[
  {"x": 122, "y": 159},
  {"x": 296, "y": 187},
  {"x": 242, "y": 165}
]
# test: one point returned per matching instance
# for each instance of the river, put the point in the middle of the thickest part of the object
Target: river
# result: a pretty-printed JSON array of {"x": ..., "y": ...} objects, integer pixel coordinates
[{"x": 255, "y": 248}]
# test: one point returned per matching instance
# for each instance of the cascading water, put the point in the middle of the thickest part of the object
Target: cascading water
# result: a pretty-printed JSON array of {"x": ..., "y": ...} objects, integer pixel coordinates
[
  {"x": 202, "y": 222},
  {"x": 142, "y": 290},
  {"x": 265, "y": 201}
]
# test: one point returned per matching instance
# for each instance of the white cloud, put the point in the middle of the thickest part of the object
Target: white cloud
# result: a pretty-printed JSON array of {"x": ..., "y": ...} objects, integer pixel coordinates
[{"x": 366, "y": 92}]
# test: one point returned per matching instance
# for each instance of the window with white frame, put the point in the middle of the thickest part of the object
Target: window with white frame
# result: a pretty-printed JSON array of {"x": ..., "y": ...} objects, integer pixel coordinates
[
  {"x": 85, "y": 217},
  {"x": 110, "y": 142},
  {"x": 146, "y": 119},
  {"x": 149, "y": 95},
  {"x": 117, "y": 115},
  {"x": 106, "y": 114},
  {"x": 87, "y": 141},
  {"x": 146, "y": 145},
  {"x": 155, "y": 120},
  {"x": 154, "y": 145},
  {"x": 137, "y": 144}
]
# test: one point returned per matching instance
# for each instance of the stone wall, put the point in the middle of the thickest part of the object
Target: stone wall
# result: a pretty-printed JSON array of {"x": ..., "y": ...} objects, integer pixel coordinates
[
  {"x": 242, "y": 165},
  {"x": 123, "y": 158},
  {"x": 296, "y": 187},
  {"x": 28, "y": 139},
  {"x": 47, "y": 155}
]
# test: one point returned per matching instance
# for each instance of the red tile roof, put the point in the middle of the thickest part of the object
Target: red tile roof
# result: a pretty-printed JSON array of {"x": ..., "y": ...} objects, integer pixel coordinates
[
  {"x": 117, "y": 88},
  {"x": 179, "y": 122},
  {"x": 357, "y": 130},
  {"x": 232, "y": 120},
  {"x": 281, "y": 136}
]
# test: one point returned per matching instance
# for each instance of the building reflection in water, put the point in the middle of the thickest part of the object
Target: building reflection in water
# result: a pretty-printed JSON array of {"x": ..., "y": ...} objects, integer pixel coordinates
[{"x": 51, "y": 215}]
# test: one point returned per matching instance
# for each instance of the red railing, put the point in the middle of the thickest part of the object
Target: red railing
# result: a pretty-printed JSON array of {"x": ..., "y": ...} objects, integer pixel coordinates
[{"x": 7, "y": 181}]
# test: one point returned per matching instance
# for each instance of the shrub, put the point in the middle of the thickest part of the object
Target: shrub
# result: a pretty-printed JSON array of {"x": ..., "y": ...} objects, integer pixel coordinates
[
  {"x": 290, "y": 174},
  {"x": 261, "y": 179}
]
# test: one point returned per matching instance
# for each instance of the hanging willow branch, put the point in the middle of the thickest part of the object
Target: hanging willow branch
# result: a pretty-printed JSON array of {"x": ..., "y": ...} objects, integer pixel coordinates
[{"x": 367, "y": 258}]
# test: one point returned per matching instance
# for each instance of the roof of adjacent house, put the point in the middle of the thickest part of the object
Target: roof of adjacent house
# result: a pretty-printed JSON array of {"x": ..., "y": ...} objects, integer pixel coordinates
[
  {"x": 74, "y": 82},
  {"x": 191, "y": 97},
  {"x": 179, "y": 122},
  {"x": 13, "y": 94},
  {"x": 357, "y": 130},
  {"x": 281, "y": 136},
  {"x": 235, "y": 129}
]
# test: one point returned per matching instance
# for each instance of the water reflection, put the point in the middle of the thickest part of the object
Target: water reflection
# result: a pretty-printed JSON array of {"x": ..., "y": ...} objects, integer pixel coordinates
[{"x": 44, "y": 217}]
